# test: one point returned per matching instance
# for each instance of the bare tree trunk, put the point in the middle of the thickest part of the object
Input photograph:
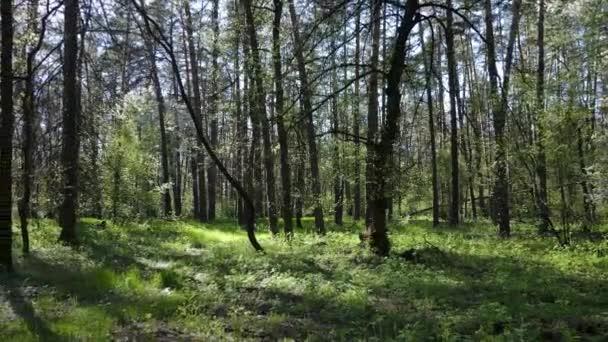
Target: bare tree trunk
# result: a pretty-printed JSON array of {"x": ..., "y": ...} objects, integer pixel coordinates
[
  {"x": 372, "y": 109},
  {"x": 280, "y": 115},
  {"x": 163, "y": 135},
  {"x": 501, "y": 186},
  {"x": 71, "y": 124},
  {"x": 541, "y": 163},
  {"x": 356, "y": 120},
  {"x": 308, "y": 116},
  {"x": 213, "y": 134},
  {"x": 6, "y": 136},
  {"x": 453, "y": 89},
  {"x": 376, "y": 231},
  {"x": 338, "y": 177},
  {"x": 196, "y": 104},
  {"x": 428, "y": 71}
]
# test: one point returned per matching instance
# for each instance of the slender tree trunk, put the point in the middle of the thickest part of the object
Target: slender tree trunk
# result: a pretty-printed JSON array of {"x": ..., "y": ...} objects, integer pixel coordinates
[
  {"x": 338, "y": 178},
  {"x": 499, "y": 109},
  {"x": 308, "y": 116},
  {"x": 195, "y": 197},
  {"x": 280, "y": 115},
  {"x": 6, "y": 136},
  {"x": 160, "y": 101},
  {"x": 453, "y": 89},
  {"x": 196, "y": 104},
  {"x": 541, "y": 164},
  {"x": 71, "y": 122},
  {"x": 213, "y": 136},
  {"x": 428, "y": 71},
  {"x": 376, "y": 231},
  {"x": 372, "y": 109},
  {"x": 356, "y": 120}
]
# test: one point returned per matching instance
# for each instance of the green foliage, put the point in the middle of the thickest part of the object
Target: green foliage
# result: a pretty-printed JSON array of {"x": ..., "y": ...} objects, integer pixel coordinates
[
  {"x": 187, "y": 280},
  {"x": 131, "y": 161}
]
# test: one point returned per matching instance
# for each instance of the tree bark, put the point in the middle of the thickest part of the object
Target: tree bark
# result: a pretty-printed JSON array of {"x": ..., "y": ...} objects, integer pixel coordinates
[
  {"x": 160, "y": 101},
  {"x": 212, "y": 182},
  {"x": 356, "y": 121},
  {"x": 71, "y": 124},
  {"x": 286, "y": 209},
  {"x": 376, "y": 231},
  {"x": 453, "y": 90},
  {"x": 196, "y": 104},
  {"x": 306, "y": 92},
  {"x": 428, "y": 71},
  {"x": 499, "y": 108},
  {"x": 6, "y": 136},
  {"x": 541, "y": 163}
]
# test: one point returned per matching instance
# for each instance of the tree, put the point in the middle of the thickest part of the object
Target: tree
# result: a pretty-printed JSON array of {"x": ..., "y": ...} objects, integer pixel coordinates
[
  {"x": 428, "y": 71},
  {"x": 71, "y": 121},
  {"x": 307, "y": 115},
  {"x": 155, "y": 31},
  {"x": 541, "y": 163},
  {"x": 376, "y": 231},
  {"x": 160, "y": 101},
  {"x": 499, "y": 110},
  {"x": 453, "y": 90},
  {"x": 200, "y": 190},
  {"x": 6, "y": 136},
  {"x": 280, "y": 114}
]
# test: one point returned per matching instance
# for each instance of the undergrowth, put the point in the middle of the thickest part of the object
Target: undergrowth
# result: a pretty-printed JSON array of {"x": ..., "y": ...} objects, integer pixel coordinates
[{"x": 186, "y": 280}]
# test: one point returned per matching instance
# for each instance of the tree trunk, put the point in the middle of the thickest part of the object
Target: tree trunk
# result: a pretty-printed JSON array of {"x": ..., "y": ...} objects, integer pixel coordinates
[
  {"x": 372, "y": 110},
  {"x": 338, "y": 178},
  {"x": 499, "y": 109},
  {"x": 160, "y": 101},
  {"x": 280, "y": 115},
  {"x": 453, "y": 90},
  {"x": 6, "y": 136},
  {"x": 356, "y": 120},
  {"x": 196, "y": 104},
  {"x": 376, "y": 231},
  {"x": 308, "y": 116},
  {"x": 428, "y": 71},
  {"x": 71, "y": 122},
  {"x": 213, "y": 136},
  {"x": 541, "y": 163}
]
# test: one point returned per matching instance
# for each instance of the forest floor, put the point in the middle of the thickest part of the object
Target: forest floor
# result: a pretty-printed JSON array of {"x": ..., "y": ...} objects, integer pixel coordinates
[{"x": 182, "y": 280}]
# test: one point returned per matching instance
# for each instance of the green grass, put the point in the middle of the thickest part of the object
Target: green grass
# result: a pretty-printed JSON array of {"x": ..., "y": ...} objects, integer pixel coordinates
[{"x": 183, "y": 279}]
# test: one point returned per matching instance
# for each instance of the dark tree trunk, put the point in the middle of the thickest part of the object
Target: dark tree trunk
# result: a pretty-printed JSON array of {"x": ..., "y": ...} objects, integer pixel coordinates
[
  {"x": 213, "y": 126},
  {"x": 195, "y": 198},
  {"x": 453, "y": 90},
  {"x": 196, "y": 104},
  {"x": 160, "y": 101},
  {"x": 310, "y": 126},
  {"x": 376, "y": 231},
  {"x": 6, "y": 136},
  {"x": 338, "y": 178},
  {"x": 500, "y": 194},
  {"x": 259, "y": 118},
  {"x": 356, "y": 120},
  {"x": 372, "y": 110},
  {"x": 286, "y": 209},
  {"x": 541, "y": 163},
  {"x": 71, "y": 122},
  {"x": 428, "y": 71}
]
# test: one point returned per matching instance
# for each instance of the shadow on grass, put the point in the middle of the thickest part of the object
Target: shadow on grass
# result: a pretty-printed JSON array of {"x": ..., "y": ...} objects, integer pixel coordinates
[{"x": 23, "y": 308}]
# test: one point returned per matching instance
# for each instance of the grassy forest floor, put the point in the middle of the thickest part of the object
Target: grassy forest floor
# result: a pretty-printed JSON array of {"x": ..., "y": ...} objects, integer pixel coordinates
[{"x": 180, "y": 280}]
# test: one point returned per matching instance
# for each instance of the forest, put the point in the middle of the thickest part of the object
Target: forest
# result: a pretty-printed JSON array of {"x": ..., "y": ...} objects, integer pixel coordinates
[{"x": 304, "y": 170}]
